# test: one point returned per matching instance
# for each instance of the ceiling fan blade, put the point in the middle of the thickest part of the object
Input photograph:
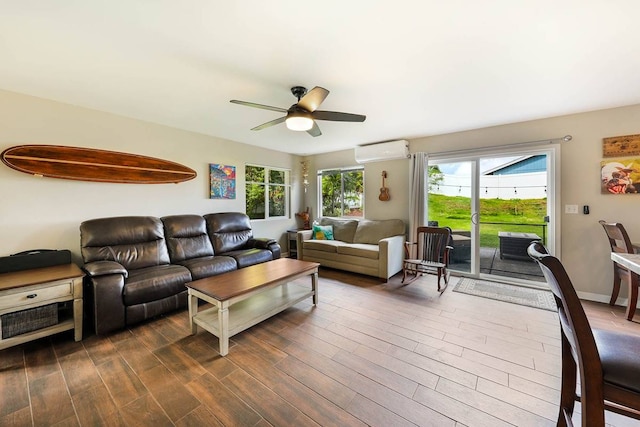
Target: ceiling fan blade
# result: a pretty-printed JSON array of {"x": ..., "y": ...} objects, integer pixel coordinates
[
  {"x": 271, "y": 123},
  {"x": 264, "y": 107},
  {"x": 336, "y": 116},
  {"x": 312, "y": 100},
  {"x": 315, "y": 130}
]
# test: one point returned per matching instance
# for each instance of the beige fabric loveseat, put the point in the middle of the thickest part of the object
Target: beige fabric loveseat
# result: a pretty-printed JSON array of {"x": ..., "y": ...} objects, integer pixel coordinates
[{"x": 371, "y": 247}]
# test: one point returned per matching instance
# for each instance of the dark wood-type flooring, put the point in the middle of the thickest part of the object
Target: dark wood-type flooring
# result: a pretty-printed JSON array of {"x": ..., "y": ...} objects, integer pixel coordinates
[{"x": 370, "y": 353}]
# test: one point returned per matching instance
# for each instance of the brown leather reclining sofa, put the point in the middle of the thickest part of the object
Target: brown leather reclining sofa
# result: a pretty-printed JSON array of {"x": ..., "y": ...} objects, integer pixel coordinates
[{"x": 137, "y": 266}]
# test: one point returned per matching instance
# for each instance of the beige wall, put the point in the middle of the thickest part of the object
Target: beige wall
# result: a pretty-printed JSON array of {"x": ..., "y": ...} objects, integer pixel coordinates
[
  {"x": 397, "y": 182},
  {"x": 584, "y": 248},
  {"x": 46, "y": 212}
]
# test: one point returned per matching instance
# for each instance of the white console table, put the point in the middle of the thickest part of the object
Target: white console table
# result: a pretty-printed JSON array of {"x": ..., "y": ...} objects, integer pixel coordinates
[{"x": 21, "y": 291}]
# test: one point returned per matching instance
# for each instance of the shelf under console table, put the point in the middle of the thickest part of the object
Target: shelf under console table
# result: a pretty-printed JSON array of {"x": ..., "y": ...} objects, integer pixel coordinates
[{"x": 40, "y": 302}]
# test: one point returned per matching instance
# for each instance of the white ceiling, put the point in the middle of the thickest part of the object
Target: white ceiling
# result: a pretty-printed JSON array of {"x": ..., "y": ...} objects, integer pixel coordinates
[{"x": 414, "y": 68}]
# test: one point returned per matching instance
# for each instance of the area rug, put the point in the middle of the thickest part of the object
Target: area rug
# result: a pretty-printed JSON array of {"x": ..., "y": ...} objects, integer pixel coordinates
[{"x": 508, "y": 293}]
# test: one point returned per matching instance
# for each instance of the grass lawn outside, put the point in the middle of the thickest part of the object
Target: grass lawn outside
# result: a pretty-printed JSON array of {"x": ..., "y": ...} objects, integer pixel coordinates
[{"x": 515, "y": 215}]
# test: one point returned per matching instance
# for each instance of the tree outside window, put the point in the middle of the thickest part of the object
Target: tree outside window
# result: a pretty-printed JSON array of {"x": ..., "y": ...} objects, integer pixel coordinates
[
  {"x": 436, "y": 177},
  {"x": 342, "y": 192},
  {"x": 267, "y": 192}
]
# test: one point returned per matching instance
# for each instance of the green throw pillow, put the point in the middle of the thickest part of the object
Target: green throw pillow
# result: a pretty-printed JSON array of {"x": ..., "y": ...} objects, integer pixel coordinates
[{"x": 323, "y": 232}]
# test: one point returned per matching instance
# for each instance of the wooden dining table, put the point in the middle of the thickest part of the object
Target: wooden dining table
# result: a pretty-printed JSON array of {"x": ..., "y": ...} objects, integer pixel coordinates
[{"x": 632, "y": 263}]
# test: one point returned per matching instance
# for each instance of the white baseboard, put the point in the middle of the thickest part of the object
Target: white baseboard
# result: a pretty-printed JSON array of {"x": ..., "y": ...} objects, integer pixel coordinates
[{"x": 603, "y": 298}]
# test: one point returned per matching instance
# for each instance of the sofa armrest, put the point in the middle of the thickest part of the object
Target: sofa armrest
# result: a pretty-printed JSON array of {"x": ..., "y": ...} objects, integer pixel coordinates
[
  {"x": 301, "y": 236},
  {"x": 265, "y": 243},
  {"x": 103, "y": 268},
  {"x": 105, "y": 280},
  {"x": 391, "y": 256},
  {"x": 260, "y": 242},
  {"x": 103, "y": 295}
]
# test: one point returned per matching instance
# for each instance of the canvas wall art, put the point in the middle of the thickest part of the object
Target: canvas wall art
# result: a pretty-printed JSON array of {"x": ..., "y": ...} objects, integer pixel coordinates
[
  {"x": 222, "y": 181},
  {"x": 620, "y": 176}
]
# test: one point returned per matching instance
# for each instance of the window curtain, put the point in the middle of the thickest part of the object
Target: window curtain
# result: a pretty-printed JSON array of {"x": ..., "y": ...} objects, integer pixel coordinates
[{"x": 417, "y": 194}]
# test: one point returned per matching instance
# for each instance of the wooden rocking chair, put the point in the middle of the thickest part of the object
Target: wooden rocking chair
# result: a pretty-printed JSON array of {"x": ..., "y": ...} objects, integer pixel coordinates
[{"x": 432, "y": 254}]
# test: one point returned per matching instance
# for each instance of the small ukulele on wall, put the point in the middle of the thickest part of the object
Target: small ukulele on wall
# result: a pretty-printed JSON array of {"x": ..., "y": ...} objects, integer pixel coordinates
[{"x": 384, "y": 191}]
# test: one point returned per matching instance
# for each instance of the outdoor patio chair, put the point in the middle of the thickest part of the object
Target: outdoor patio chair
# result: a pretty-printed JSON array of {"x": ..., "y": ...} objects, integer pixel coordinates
[
  {"x": 607, "y": 361},
  {"x": 620, "y": 242},
  {"x": 431, "y": 254}
]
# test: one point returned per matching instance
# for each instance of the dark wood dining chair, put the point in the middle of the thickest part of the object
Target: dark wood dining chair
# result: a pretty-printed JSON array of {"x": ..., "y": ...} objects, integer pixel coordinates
[
  {"x": 620, "y": 242},
  {"x": 431, "y": 250},
  {"x": 608, "y": 361}
]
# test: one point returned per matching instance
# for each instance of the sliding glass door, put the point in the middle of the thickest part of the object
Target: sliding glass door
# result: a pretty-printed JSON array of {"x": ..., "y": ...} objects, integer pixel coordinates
[
  {"x": 495, "y": 204},
  {"x": 450, "y": 204}
]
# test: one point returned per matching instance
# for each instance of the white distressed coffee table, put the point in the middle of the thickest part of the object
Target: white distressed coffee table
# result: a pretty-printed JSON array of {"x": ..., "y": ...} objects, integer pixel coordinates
[{"x": 245, "y": 297}]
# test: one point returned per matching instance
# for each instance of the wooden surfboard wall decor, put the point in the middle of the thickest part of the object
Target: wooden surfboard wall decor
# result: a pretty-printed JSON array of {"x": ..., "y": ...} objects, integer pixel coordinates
[{"x": 89, "y": 164}]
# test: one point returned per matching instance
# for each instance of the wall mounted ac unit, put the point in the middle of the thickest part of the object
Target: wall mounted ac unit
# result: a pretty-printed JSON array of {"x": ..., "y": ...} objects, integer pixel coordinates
[{"x": 382, "y": 151}]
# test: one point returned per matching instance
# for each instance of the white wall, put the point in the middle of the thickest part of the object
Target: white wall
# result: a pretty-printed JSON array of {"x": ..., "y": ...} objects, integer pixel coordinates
[{"x": 47, "y": 212}]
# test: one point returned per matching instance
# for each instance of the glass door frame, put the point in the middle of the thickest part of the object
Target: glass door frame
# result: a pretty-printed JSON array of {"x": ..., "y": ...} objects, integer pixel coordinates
[{"x": 552, "y": 152}]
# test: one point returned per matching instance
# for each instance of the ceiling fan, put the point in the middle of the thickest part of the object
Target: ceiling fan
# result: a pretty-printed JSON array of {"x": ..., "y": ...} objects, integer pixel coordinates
[{"x": 302, "y": 115}]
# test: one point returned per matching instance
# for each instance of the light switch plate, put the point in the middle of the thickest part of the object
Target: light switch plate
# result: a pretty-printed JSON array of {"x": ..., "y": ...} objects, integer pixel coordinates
[{"x": 571, "y": 209}]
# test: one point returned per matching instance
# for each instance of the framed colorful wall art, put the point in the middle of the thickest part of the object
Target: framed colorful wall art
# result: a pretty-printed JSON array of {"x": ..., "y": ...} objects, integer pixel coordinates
[{"x": 222, "y": 180}]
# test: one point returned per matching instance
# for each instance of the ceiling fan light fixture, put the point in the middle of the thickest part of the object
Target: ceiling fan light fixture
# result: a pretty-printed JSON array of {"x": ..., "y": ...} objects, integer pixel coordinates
[
  {"x": 303, "y": 115},
  {"x": 299, "y": 122}
]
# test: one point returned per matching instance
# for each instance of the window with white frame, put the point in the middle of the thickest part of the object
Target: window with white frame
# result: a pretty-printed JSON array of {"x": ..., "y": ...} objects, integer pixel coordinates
[
  {"x": 342, "y": 192},
  {"x": 267, "y": 192}
]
